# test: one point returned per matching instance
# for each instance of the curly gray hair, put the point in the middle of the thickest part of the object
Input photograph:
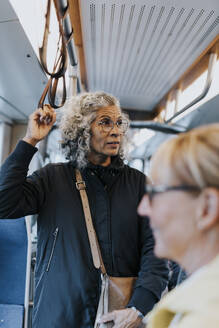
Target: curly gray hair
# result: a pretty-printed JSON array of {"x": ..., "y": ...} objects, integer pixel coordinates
[{"x": 77, "y": 116}]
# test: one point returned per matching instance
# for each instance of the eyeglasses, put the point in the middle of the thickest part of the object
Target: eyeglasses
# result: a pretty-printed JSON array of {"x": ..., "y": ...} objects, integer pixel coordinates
[
  {"x": 107, "y": 125},
  {"x": 151, "y": 190}
]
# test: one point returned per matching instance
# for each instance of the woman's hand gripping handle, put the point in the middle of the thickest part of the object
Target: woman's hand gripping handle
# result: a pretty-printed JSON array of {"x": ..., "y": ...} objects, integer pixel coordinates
[{"x": 39, "y": 124}]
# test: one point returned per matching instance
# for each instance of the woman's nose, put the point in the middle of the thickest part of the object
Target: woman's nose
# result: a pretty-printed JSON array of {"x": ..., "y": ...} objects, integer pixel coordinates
[
  {"x": 144, "y": 208},
  {"x": 115, "y": 130}
]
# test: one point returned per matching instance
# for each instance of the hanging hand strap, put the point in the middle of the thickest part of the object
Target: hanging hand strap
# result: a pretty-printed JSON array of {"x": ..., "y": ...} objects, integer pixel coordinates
[
  {"x": 94, "y": 245},
  {"x": 60, "y": 64}
]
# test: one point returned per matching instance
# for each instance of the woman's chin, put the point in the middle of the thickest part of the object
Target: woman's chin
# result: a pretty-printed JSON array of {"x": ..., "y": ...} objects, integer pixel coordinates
[{"x": 112, "y": 152}]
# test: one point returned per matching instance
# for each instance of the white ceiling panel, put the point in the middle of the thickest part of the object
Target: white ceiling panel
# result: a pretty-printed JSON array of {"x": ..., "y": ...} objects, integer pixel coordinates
[
  {"x": 138, "y": 49},
  {"x": 21, "y": 77}
]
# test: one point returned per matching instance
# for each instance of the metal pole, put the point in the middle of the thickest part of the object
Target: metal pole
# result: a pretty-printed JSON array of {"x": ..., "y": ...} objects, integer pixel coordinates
[
  {"x": 211, "y": 66},
  {"x": 178, "y": 94},
  {"x": 68, "y": 30}
]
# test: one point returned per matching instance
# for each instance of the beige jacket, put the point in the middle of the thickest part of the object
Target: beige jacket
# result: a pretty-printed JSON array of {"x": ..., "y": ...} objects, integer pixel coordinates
[{"x": 194, "y": 304}]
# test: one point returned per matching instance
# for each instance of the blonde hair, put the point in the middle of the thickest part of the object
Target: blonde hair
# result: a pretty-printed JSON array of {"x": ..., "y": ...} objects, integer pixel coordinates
[
  {"x": 77, "y": 116},
  {"x": 191, "y": 158}
]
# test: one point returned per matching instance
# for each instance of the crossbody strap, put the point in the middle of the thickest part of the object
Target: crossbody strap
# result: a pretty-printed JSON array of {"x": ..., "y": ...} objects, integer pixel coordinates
[{"x": 94, "y": 245}]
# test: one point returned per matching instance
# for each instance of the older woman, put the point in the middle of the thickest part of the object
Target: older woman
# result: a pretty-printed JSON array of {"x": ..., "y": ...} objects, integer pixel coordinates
[
  {"x": 67, "y": 283},
  {"x": 183, "y": 206}
]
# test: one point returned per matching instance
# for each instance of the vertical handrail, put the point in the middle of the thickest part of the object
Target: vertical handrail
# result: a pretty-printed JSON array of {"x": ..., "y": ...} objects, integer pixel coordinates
[
  {"x": 68, "y": 32},
  {"x": 28, "y": 268},
  {"x": 71, "y": 48}
]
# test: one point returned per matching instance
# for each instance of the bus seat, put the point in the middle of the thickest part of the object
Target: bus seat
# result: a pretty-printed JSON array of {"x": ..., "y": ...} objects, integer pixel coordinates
[
  {"x": 15, "y": 261},
  {"x": 11, "y": 315}
]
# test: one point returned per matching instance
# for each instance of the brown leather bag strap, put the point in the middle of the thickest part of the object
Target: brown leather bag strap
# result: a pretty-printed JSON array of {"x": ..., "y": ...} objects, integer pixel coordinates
[{"x": 94, "y": 245}]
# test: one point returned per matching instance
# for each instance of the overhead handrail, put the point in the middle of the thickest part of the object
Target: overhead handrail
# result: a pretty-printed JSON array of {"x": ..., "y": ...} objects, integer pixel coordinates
[
  {"x": 175, "y": 128},
  {"x": 211, "y": 66},
  {"x": 156, "y": 126}
]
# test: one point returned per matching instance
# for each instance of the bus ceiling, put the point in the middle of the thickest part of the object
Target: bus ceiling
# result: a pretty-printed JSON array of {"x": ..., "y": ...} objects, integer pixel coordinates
[
  {"x": 140, "y": 50},
  {"x": 144, "y": 53}
]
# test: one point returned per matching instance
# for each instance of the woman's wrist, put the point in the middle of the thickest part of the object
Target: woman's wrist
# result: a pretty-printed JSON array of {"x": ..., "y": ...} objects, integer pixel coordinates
[
  {"x": 31, "y": 141},
  {"x": 140, "y": 315}
]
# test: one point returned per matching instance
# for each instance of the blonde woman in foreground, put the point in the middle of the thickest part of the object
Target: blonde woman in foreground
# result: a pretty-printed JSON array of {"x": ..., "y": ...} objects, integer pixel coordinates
[{"x": 183, "y": 206}]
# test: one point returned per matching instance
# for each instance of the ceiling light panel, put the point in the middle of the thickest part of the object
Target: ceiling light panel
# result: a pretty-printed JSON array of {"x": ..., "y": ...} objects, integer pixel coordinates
[{"x": 137, "y": 50}]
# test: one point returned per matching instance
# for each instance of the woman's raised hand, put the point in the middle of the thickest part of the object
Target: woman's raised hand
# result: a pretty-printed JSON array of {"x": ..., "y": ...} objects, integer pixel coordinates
[{"x": 39, "y": 124}]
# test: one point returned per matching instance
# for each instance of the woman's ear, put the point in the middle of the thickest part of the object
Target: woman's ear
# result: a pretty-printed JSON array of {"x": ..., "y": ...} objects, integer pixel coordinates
[{"x": 208, "y": 210}]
